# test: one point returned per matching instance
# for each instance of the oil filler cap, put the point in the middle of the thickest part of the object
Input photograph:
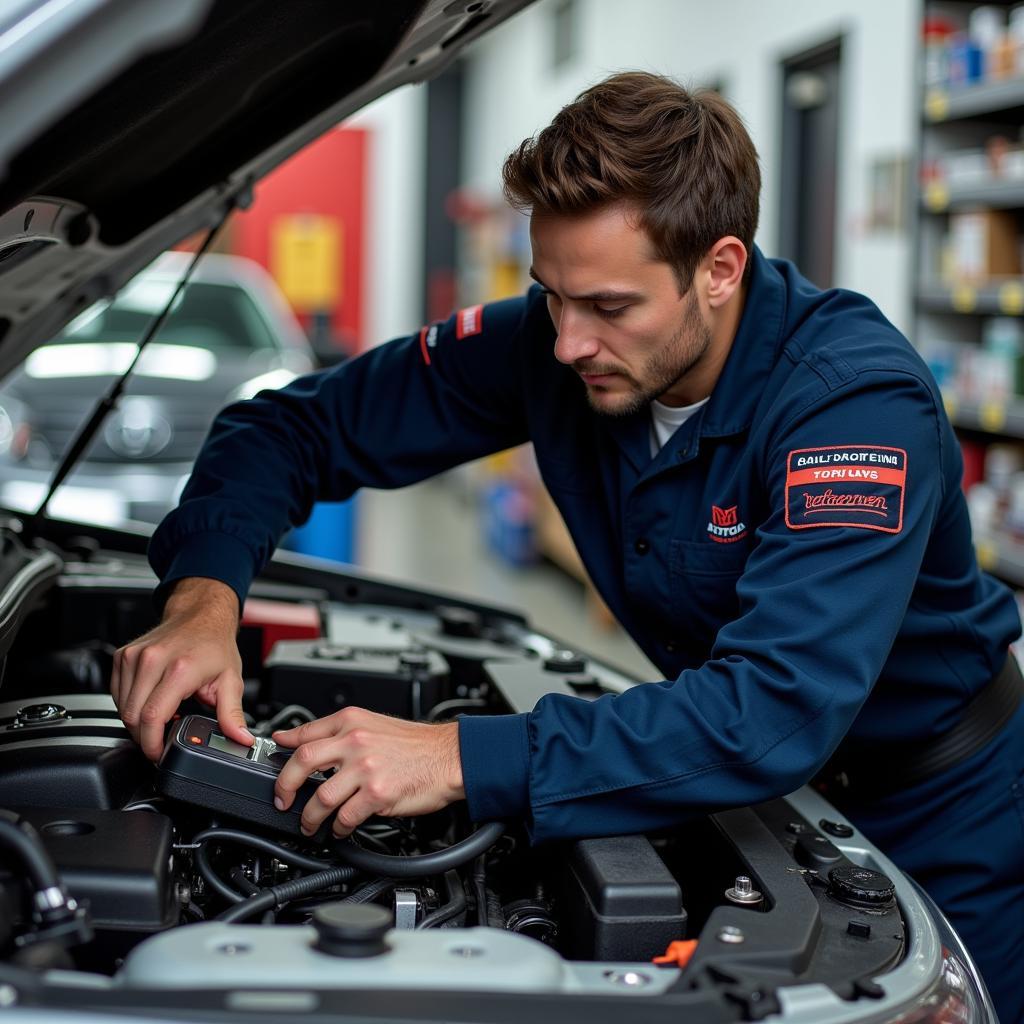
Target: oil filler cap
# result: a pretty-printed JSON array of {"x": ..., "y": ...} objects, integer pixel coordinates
[
  {"x": 39, "y": 714},
  {"x": 861, "y": 887},
  {"x": 351, "y": 930},
  {"x": 462, "y": 622},
  {"x": 565, "y": 661}
]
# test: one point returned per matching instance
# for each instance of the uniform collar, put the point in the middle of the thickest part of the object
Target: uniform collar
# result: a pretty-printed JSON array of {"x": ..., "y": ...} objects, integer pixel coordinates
[
  {"x": 752, "y": 356},
  {"x": 741, "y": 382}
]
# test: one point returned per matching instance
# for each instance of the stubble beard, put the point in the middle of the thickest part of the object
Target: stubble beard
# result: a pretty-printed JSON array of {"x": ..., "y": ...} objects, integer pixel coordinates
[{"x": 662, "y": 370}]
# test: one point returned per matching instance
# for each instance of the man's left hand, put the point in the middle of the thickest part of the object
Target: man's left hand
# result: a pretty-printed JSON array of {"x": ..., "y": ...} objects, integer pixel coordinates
[{"x": 384, "y": 765}]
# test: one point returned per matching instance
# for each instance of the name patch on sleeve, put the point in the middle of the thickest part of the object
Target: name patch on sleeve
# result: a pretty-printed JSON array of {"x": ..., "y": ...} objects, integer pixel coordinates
[{"x": 846, "y": 485}]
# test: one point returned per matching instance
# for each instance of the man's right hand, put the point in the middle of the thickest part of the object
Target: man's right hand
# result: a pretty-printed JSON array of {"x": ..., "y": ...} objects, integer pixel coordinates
[{"x": 192, "y": 652}]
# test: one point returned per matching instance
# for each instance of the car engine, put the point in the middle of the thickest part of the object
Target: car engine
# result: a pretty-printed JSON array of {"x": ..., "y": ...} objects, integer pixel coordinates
[{"x": 160, "y": 892}]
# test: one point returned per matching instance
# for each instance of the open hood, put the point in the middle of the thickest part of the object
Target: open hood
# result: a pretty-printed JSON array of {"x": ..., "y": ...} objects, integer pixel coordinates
[{"x": 129, "y": 125}]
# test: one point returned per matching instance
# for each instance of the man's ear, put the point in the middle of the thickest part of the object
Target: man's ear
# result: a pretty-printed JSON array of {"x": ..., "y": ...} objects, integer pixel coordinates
[{"x": 724, "y": 264}]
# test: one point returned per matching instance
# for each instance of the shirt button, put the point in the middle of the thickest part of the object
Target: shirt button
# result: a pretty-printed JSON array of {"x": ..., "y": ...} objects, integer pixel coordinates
[
  {"x": 642, "y": 546},
  {"x": 671, "y": 646}
]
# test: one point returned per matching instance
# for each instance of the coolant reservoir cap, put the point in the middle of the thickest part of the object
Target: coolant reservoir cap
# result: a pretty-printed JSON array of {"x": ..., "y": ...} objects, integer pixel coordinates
[
  {"x": 462, "y": 622},
  {"x": 352, "y": 930},
  {"x": 36, "y": 714},
  {"x": 861, "y": 887},
  {"x": 565, "y": 661}
]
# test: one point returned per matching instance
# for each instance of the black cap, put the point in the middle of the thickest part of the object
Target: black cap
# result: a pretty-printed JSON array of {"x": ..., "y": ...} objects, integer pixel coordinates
[
  {"x": 565, "y": 661},
  {"x": 460, "y": 621},
  {"x": 351, "y": 929},
  {"x": 861, "y": 887}
]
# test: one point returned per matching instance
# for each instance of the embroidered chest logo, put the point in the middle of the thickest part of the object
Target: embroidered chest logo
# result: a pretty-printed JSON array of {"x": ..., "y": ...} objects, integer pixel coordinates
[
  {"x": 846, "y": 485},
  {"x": 725, "y": 526}
]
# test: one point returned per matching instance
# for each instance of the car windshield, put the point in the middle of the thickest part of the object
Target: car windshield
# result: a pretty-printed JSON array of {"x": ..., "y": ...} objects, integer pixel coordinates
[{"x": 218, "y": 317}]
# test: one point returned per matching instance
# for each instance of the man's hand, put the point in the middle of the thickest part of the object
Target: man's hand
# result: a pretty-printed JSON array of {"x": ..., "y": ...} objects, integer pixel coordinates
[
  {"x": 192, "y": 651},
  {"x": 384, "y": 766}
]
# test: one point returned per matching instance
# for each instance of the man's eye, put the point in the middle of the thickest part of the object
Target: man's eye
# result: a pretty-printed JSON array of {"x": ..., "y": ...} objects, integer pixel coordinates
[{"x": 610, "y": 314}]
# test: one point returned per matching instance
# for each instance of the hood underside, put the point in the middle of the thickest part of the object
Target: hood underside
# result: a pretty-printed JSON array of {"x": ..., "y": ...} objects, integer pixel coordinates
[{"x": 139, "y": 124}]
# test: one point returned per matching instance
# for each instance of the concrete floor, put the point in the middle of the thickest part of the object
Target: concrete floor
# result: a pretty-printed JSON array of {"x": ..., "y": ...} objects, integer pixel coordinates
[{"x": 430, "y": 535}]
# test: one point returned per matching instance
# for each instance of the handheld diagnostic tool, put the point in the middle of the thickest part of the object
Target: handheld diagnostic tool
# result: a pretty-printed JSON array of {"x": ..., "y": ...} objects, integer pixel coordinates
[{"x": 203, "y": 767}]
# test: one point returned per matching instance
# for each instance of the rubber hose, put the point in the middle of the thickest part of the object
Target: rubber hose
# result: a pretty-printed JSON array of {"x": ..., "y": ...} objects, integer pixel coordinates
[
  {"x": 424, "y": 864},
  {"x": 212, "y": 879},
  {"x": 455, "y": 906},
  {"x": 24, "y": 840},
  {"x": 278, "y": 895},
  {"x": 369, "y": 892},
  {"x": 282, "y": 853}
]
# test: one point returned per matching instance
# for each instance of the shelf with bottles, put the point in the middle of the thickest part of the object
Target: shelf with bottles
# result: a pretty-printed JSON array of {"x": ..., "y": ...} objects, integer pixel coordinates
[
  {"x": 994, "y": 486},
  {"x": 972, "y": 262},
  {"x": 973, "y": 62},
  {"x": 982, "y": 382},
  {"x": 989, "y": 175}
]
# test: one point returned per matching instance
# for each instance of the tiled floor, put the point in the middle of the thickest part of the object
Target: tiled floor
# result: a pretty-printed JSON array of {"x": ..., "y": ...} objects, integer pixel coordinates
[{"x": 429, "y": 534}]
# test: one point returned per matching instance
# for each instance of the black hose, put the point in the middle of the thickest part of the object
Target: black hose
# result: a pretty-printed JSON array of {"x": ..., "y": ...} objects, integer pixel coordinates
[
  {"x": 282, "y": 853},
  {"x": 24, "y": 840},
  {"x": 480, "y": 889},
  {"x": 278, "y": 895},
  {"x": 212, "y": 879},
  {"x": 455, "y": 905},
  {"x": 370, "y": 891},
  {"x": 242, "y": 884},
  {"x": 424, "y": 864},
  {"x": 438, "y": 711},
  {"x": 272, "y": 724}
]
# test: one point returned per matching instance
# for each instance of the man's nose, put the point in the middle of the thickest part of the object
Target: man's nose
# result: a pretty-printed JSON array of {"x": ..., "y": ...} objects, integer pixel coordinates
[{"x": 574, "y": 341}]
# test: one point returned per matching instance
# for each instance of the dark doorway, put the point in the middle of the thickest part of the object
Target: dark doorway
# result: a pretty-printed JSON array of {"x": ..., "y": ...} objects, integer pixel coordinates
[
  {"x": 444, "y": 158},
  {"x": 810, "y": 149}
]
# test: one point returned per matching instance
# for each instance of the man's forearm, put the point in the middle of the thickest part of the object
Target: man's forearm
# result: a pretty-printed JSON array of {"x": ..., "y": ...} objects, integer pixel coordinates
[{"x": 213, "y": 598}]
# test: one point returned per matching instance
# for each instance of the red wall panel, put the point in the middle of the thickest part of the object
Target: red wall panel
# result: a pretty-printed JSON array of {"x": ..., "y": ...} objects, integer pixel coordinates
[{"x": 327, "y": 179}]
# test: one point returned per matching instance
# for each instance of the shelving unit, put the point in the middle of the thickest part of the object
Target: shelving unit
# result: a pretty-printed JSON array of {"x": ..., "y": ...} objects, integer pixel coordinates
[{"x": 956, "y": 120}]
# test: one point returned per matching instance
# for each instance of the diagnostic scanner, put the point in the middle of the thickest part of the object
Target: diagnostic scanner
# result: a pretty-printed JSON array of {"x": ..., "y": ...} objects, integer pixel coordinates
[{"x": 201, "y": 766}]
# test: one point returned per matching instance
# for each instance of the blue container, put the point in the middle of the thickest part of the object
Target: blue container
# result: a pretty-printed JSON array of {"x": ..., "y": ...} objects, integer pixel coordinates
[
  {"x": 328, "y": 533},
  {"x": 508, "y": 524}
]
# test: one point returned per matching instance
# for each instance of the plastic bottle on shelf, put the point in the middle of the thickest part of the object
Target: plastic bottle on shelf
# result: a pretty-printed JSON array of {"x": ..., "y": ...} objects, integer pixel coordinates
[
  {"x": 1002, "y": 338},
  {"x": 1015, "y": 34},
  {"x": 981, "y": 509},
  {"x": 986, "y": 29},
  {"x": 936, "y": 33}
]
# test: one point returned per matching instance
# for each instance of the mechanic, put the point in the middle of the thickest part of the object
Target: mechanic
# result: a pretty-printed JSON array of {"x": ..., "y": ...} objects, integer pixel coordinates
[{"x": 760, "y": 479}]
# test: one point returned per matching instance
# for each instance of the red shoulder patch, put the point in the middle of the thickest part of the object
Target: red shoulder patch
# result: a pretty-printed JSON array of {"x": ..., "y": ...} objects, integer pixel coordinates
[
  {"x": 469, "y": 321},
  {"x": 846, "y": 485}
]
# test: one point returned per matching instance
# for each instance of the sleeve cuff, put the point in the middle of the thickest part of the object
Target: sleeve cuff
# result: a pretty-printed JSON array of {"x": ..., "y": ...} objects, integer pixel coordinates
[
  {"x": 215, "y": 556},
  {"x": 495, "y": 752}
]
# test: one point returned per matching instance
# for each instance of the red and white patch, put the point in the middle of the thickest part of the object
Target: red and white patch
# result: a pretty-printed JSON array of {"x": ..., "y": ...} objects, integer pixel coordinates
[
  {"x": 428, "y": 341},
  {"x": 846, "y": 485},
  {"x": 469, "y": 321}
]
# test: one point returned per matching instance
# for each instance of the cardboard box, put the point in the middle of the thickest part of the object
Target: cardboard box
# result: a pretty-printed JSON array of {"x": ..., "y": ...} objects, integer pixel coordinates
[{"x": 985, "y": 243}]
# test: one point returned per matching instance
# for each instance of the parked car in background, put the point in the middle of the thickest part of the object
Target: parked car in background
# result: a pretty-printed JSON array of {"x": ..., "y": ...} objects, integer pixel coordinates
[{"x": 230, "y": 333}]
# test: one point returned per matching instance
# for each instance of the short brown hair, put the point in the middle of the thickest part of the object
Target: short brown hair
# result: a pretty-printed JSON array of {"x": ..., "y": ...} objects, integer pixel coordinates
[{"x": 684, "y": 159}]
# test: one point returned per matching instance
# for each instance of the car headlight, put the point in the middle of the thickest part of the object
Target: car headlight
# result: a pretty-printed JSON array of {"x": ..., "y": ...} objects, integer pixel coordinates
[
  {"x": 959, "y": 993},
  {"x": 15, "y": 432},
  {"x": 271, "y": 380}
]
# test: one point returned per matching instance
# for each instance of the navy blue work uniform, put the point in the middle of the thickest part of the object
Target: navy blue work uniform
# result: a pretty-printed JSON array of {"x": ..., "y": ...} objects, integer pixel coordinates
[{"x": 797, "y": 561}]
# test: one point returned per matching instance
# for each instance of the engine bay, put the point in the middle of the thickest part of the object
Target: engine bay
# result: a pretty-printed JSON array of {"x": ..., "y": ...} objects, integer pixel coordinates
[{"x": 166, "y": 892}]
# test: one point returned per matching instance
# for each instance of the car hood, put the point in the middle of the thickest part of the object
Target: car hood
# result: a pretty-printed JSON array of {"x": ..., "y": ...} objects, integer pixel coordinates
[{"x": 129, "y": 126}]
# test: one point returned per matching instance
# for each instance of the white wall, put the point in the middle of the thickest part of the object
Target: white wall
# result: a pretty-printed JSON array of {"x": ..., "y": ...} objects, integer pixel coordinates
[
  {"x": 393, "y": 283},
  {"x": 512, "y": 92}
]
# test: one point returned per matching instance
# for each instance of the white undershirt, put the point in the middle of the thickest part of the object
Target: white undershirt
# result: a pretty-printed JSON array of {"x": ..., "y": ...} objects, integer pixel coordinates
[{"x": 667, "y": 419}]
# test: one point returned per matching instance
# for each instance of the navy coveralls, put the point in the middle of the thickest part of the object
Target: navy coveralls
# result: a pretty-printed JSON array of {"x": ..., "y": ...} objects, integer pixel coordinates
[{"x": 796, "y": 560}]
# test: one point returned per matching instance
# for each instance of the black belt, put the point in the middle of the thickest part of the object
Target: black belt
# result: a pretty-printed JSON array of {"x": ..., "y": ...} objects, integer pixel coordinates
[{"x": 875, "y": 770}]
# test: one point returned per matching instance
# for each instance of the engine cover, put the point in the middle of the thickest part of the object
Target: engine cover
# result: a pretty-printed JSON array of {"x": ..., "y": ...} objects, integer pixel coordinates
[{"x": 68, "y": 751}]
